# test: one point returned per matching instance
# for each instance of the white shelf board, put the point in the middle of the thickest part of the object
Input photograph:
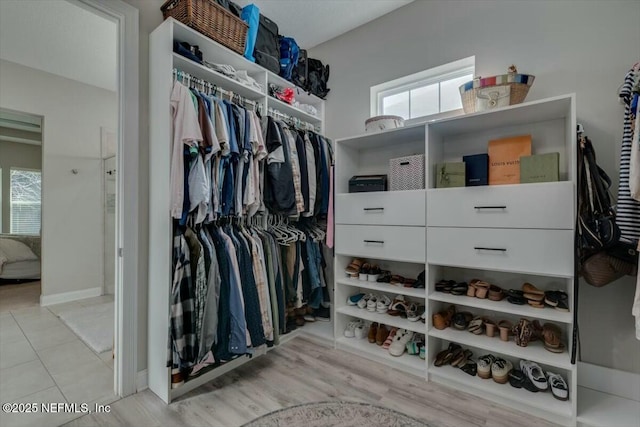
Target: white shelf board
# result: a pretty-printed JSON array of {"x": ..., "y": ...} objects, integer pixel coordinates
[
  {"x": 300, "y": 96},
  {"x": 285, "y": 108},
  {"x": 530, "y": 112},
  {"x": 385, "y": 319},
  {"x": 534, "y": 351},
  {"x": 383, "y": 287},
  {"x": 216, "y": 372},
  {"x": 502, "y": 393},
  {"x": 318, "y": 329},
  {"x": 212, "y": 51},
  {"x": 384, "y": 138},
  {"x": 606, "y": 410},
  {"x": 227, "y": 83},
  {"x": 504, "y": 306},
  {"x": 411, "y": 364},
  {"x": 503, "y": 270}
]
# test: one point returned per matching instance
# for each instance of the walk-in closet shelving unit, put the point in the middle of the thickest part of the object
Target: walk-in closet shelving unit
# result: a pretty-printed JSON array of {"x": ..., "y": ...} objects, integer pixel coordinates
[
  {"x": 383, "y": 228},
  {"x": 161, "y": 63},
  {"x": 531, "y": 224},
  {"x": 528, "y": 233}
]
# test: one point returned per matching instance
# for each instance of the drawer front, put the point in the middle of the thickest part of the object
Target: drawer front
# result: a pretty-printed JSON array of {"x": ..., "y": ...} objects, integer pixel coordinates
[
  {"x": 392, "y": 243},
  {"x": 526, "y": 251},
  {"x": 381, "y": 208},
  {"x": 544, "y": 205}
]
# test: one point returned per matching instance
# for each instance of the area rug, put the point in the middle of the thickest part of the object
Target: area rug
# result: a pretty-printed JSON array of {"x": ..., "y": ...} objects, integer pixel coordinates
[
  {"x": 93, "y": 325},
  {"x": 335, "y": 414}
]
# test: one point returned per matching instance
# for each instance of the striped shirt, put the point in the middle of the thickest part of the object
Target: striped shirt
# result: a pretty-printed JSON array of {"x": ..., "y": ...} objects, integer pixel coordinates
[{"x": 628, "y": 209}]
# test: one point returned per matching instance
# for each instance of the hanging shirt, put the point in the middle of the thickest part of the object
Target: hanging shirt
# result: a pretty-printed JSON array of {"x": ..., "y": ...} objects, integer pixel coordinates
[
  {"x": 311, "y": 175},
  {"x": 186, "y": 132}
]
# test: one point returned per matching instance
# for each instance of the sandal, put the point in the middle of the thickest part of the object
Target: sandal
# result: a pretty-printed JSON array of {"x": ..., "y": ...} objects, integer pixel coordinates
[
  {"x": 445, "y": 286},
  {"x": 445, "y": 356},
  {"x": 523, "y": 332},
  {"x": 384, "y": 277},
  {"x": 552, "y": 335},
  {"x": 528, "y": 288},
  {"x": 553, "y": 298},
  {"x": 470, "y": 368},
  {"x": 397, "y": 280},
  {"x": 461, "y": 320},
  {"x": 460, "y": 288},
  {"x": 389, "y": 340},
  {"x": 505, "y": 329},
  {"x": 496, "y": 293},
  {"x": 490, "y": 326},
  {"x": 353, "y": 269},
  {"x": 482, "y": 289},
  {"x": 461, "y": 359},
  {"x": 517, "y": 300},
  {"x": 476, "y": 326},
  {"x": 408, "y": 283},
  {"x": 471, "y": 288}
]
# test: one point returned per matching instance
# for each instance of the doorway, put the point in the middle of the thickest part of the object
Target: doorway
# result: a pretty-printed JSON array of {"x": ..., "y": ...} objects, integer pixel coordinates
[{"x": 70, "y": 164}]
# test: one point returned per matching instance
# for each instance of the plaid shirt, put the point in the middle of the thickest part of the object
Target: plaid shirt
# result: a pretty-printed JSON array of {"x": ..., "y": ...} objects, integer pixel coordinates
[
  {"x": 182, "y": 344},
  {"x": 259, "y": 271}
]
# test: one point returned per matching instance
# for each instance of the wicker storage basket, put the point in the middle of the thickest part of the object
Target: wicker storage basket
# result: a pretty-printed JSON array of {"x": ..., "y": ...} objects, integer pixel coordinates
[
  {"x": 210, "y": 19},
  {"x": 518, "y": 86}
]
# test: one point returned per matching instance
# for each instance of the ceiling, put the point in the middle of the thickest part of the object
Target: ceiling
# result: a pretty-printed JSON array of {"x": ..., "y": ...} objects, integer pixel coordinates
[
  {"x": 312, "y": 22},
  {"x": 61, "y": 38}
]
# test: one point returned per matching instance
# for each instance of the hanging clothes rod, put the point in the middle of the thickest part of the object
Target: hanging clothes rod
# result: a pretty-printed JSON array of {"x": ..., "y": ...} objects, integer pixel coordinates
[
  {"x": 212, "y": 89},
  {"x": 293, "y": 120}
]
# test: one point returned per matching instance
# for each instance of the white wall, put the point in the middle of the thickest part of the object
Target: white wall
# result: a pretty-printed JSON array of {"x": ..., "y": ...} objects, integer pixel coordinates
[
  {"x": 570, "y": 46},
  {"x": 72, "y": 207}
]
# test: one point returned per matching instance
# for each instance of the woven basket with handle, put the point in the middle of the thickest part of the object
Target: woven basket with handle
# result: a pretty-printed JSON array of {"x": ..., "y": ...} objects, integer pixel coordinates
[
  {"x": 519, "y": 87},
  {"x": 210, "y": 19}
]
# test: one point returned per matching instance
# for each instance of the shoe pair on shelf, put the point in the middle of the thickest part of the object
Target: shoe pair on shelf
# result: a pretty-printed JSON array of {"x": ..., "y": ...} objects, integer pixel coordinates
[
  {"x": 531, "y": 377},
  {"x": 457, "y": 357},
  {"x": 358, "y": 269}
]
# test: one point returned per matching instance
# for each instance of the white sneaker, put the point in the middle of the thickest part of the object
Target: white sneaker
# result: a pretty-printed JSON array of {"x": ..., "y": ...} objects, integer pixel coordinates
[
  {"x": 382, "y": 305},
  {"x": 362, "y": 303},
  {"x": 399, "y": 343},
  {"x": 372, "y": 304},
  {"x": 360, "y": 331},
  {"x": 535, "y": 374},
  {"x": 559, "y": 387},
  {"x": 350, "y": 330}
]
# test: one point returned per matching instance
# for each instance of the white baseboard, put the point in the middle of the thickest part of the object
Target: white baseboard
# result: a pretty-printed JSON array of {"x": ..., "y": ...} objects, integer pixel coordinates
[
  {"x": 611, "y": 381},
  {"x": 142, "y": 381},
  {"x": 70, "y": 296}
]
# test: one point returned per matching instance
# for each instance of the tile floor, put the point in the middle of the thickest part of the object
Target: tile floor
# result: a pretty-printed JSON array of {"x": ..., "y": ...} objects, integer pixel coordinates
[{"x": 41, "y": 360}]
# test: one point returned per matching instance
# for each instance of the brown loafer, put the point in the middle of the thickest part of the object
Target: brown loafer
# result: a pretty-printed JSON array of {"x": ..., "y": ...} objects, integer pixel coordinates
[
  {"x": 373, "y": 331},
  {"x": 382, "y": 334}
]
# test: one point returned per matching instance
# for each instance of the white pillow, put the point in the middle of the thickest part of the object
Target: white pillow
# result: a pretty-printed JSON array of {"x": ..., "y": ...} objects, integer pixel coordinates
[{"x": 15, "y": 251}]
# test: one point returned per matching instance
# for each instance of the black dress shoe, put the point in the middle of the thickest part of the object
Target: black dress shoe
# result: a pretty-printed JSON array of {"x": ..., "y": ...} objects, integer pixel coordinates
[{"x": 470, "y": 368}]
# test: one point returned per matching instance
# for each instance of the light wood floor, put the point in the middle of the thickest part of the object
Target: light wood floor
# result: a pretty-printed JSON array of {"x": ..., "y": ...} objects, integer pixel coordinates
[
  {"x": 23, "y": 295},
  {"x": 302, "y": 371}
]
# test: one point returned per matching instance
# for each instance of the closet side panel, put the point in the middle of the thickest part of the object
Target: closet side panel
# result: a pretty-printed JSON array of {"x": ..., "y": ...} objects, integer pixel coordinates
[{"x": 160, "y": 81}]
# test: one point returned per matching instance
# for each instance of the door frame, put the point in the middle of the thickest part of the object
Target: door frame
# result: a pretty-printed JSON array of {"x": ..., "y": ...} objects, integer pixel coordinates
[{"x": 127, "y": 200}]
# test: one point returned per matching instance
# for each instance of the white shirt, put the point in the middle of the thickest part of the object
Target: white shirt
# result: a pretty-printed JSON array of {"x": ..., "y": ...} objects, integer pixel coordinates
[{"x": 186, "y": 131}]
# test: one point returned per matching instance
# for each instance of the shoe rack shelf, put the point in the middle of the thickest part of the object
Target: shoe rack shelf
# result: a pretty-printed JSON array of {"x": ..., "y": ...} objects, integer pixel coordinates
[
  {"x": 407, "y": 363},
  {"x": 383, "y": 287},
  {"x": 534, "y": 351},
  {"x": 535, "y": 228},
  {"x": 503, "y": 394},
  {"x": 504, "y": 306},
  {"x": 385, "y": 319}
]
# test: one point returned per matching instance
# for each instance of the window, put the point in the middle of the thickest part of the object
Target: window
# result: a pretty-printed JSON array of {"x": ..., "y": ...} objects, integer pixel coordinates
[
  {"x": 25, "y": 201},
  {"x": 426, "y": 93}
]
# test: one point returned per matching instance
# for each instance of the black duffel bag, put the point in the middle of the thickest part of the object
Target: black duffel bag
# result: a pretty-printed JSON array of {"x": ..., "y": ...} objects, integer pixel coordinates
[{"x": 267, "y": 50}]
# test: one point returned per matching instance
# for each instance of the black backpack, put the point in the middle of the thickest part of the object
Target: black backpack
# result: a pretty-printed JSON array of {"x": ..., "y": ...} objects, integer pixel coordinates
[
  {"x": 267, "y": 50},
  {"x": 318, "y": 78},
  {"x": 300, "y": 74}
]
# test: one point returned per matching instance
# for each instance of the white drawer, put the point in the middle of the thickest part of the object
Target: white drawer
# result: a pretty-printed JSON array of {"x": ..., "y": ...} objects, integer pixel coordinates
[
  {"x": 547, "y": 252},
  {"x": 381, "y": 208},
  {"x": 543, "y": 205},
  {"x": 392, "y": 243}
]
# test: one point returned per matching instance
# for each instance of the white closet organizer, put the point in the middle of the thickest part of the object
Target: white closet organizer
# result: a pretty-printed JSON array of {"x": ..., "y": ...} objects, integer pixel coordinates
[
  {"x": 161, "y": 63},
  {"x": 385, "y": 228},
  {"x": 441, "y": 229}
]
